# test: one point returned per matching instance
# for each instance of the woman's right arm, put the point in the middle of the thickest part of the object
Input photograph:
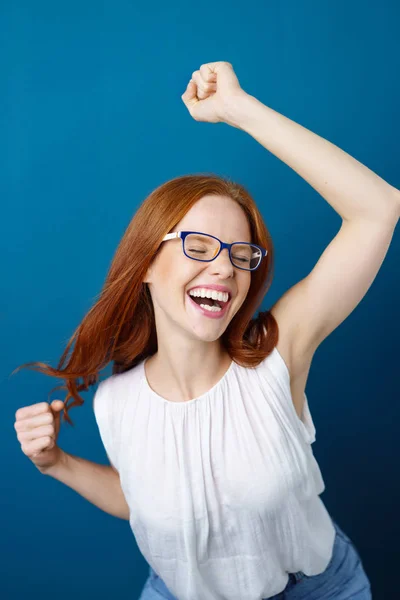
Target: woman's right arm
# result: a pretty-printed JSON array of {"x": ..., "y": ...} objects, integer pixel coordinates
[
  {"x": 99, "y": 484},
  {"x": 37, "y": 428}
]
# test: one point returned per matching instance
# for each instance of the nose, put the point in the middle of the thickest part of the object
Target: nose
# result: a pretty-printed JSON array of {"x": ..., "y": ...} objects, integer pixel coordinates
[{"x": 222, "y": 264}]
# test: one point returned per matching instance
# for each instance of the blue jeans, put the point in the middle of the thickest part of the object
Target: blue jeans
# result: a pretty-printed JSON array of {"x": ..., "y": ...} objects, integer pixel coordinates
[{"x": 344, "y": 578}]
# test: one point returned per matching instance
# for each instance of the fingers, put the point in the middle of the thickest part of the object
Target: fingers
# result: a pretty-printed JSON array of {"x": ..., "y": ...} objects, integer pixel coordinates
[
  {"x": 202, "y": 85},
  {"x": 31, "y": 418},
  {"x": 189, "y": 97},
  {"x": 31, "y": 435},
  {"x": 205, "y": 81},
  {"x": 33, "y": 448},
  {"x": 35, "y": 410},
  {"x": 32, "y": 410},
  {"x": 57, "y": 405},
  {"x": 29, "y": 423},
  {"x": 37, "y": 426},
  {"x": 207, "y": 74},
  {"x": 35, "y": 429}
]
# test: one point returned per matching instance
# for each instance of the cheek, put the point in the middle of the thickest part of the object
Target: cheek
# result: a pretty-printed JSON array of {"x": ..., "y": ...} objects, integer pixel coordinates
[
  {"x": 245, "y": 284},
  {"x": 244, "y": 290},
  {"x": 166, "y": 275},
  {"x": 174, "y": 277}
]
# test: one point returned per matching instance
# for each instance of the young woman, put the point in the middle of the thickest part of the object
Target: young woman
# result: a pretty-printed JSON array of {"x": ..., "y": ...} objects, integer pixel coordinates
[{"x": 205, "y": 418}]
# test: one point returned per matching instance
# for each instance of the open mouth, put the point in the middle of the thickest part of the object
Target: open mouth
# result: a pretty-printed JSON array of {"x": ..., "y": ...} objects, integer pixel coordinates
[{"x": 209, "y": 306}]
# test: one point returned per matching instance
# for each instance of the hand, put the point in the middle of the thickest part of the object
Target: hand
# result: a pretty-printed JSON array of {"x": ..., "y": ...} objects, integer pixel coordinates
[
  {"x": 37, "y": 429},
  {"x": 211, "y": 91}
]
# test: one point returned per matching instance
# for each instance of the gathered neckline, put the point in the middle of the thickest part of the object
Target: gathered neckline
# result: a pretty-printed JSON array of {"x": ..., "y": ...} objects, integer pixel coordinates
[{"x": 185, "y": 402}]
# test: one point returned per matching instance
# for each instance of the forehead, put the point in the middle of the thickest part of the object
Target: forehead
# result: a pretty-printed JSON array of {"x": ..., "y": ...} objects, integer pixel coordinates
[{"x": 217, "y": 215}]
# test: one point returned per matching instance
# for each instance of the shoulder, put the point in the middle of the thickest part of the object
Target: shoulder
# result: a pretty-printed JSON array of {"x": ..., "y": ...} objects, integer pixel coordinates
[
  {"x": 114, "y": 389},
  {"x": 100, "y": 401}
]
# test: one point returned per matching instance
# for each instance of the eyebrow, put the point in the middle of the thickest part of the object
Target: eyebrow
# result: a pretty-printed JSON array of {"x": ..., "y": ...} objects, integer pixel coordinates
[{"x": 228, "y": 242}]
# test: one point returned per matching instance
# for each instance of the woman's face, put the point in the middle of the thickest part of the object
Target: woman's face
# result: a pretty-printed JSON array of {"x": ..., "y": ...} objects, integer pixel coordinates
[{"x": 172, "y": 273}]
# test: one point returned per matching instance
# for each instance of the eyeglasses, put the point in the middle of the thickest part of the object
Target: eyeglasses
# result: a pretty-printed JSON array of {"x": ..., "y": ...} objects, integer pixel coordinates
[{"x": 204, "y": 247}]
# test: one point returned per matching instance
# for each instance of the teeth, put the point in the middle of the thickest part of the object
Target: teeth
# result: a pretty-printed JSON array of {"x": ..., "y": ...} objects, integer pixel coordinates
[
  {"x": 211, "y": 308},
  {"x": 206, "y": 293}
]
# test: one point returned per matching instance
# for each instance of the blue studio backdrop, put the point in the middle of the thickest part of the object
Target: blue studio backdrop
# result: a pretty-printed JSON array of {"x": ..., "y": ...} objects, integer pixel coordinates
[{"x": 91, "y": 122}]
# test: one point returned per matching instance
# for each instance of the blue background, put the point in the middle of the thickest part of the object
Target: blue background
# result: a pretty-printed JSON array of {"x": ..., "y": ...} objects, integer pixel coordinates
[{"x": 91, "y": 122}]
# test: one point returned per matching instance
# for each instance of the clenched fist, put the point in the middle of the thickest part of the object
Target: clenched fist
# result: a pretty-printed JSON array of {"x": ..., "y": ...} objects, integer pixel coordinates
[
  {"x": 37, "y": 428},
  {"x": 211, "y": 91}
]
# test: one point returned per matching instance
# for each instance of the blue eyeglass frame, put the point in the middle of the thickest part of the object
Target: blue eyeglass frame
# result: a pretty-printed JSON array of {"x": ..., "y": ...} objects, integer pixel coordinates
[{"x": 183, "y": 234}]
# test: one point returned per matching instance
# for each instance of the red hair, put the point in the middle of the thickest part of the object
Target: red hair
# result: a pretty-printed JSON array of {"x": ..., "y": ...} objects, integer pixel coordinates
[{"x": 120, "y": 326}]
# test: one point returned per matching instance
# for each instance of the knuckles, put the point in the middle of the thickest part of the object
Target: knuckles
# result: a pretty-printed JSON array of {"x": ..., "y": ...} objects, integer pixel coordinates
[
  {"x": 46, "y": 430},
  {"x": 29, "y": 451},
  {"x": 46, "y": 419},
  {"x": 20, "y": 413}
]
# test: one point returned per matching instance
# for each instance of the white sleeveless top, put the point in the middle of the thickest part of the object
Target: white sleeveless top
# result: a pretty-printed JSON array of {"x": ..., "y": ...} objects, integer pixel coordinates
[{"x": 223, "y": 490}]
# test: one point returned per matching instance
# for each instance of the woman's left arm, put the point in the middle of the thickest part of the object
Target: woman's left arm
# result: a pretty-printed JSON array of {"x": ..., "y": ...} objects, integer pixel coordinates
[
  {"x": 370, "y": 207},
  {"x": 354, "y": 191}
]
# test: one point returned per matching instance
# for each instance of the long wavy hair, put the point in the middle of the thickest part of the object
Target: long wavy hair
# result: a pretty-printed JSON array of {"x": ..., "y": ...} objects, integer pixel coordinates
[{"x": 120, "y": 326}]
